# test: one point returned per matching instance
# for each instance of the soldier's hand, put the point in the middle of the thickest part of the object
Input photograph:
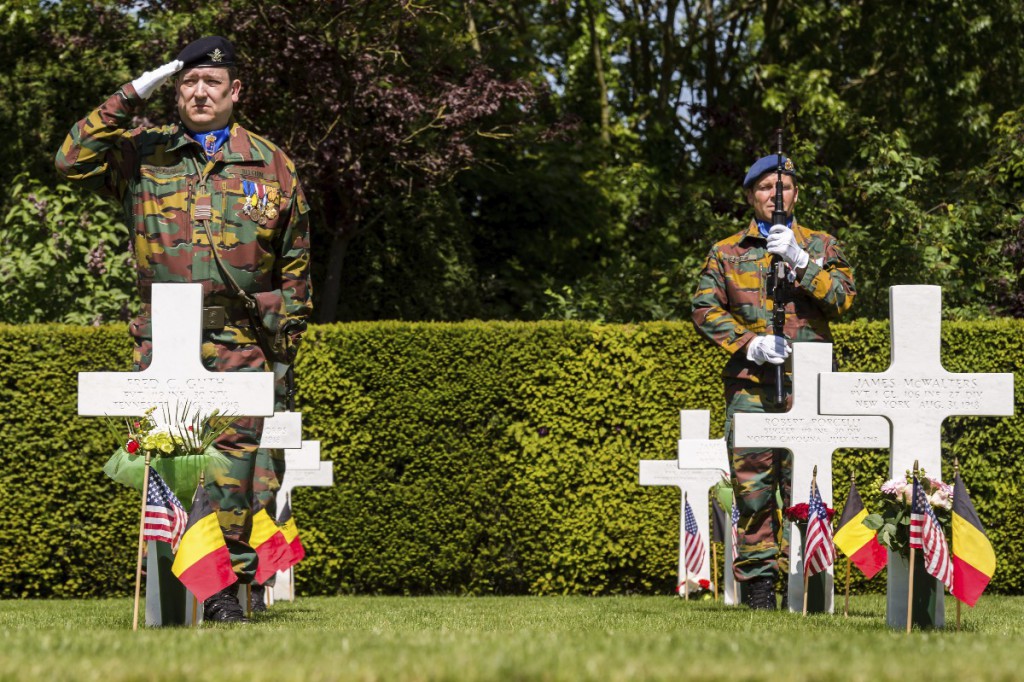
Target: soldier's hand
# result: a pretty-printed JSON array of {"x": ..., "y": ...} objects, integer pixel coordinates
[
  {"x": 147, "y": 83},
  {"x": 782, "y": 243},
  {"x": 770, "y": 349}
]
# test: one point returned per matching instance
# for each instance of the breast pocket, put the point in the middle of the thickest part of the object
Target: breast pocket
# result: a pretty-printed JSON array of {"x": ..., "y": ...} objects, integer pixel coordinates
[
  {"x": 246, "y": 215},
  {"x": 164, "y": 191}
]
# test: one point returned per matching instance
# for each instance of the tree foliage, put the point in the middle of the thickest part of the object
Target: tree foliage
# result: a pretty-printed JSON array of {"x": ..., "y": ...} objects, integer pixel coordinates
[
  {"x": 572, "y": 158},
  {"x": 66, "y": 257}
]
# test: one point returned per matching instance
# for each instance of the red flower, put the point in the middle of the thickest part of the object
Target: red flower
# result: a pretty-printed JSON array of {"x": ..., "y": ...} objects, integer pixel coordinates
[
  {"x": 190, "y": 428},
  {"x": 798, "y": 512},
  {"x": 132, "y": 447},
  {"x": 702, "y": 584}
]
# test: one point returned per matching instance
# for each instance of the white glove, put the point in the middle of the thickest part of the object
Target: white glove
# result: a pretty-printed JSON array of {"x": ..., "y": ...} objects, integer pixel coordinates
[
  {"x": 772, "y": 349},
  {"x": 148, "y": 82},
  {"x": 781, "y": 242}
]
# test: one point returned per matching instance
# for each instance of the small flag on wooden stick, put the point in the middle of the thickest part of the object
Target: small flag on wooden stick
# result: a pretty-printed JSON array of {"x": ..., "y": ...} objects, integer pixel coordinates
[
  {"x": 165, "y": 518},
  {"x": 926, "y": 535},
  {"x": 694, "y": 558},
  {"x": 974, "y": 560},
  {"x": 819, "y": 552}
]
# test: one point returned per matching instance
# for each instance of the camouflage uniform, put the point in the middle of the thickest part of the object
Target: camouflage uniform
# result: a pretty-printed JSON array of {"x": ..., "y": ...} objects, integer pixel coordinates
[
  {"x": 731, "y": 307},
  {"x": 166, "y": 186}
]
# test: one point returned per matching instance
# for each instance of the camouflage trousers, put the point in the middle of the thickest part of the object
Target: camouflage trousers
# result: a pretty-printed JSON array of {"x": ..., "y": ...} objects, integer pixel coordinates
[
  {"x": 762, "y": 480},
  {"x": 251, "y": 479}
]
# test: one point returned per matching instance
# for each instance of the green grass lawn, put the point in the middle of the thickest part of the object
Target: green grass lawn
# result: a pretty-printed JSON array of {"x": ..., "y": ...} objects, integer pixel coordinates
[{"x": 510, "y": 638}]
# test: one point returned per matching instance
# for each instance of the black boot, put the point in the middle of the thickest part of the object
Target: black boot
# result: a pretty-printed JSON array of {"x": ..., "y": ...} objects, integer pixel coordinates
[
  {"x": 223, "y": 607},
  {"x": 759, "y": 593},
  {"x": 257, "y": 602}
]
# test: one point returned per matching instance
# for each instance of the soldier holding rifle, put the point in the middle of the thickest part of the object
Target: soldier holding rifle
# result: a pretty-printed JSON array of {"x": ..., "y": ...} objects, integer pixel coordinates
[{"x": 733, "y": 308}]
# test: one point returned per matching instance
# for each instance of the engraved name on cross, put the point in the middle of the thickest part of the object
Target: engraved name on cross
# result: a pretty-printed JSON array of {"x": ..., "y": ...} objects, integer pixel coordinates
[{"x": 176, "y": 377}]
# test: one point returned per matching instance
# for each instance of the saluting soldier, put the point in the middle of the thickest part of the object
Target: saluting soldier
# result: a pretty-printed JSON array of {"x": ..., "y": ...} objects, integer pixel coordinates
[
  {"x": 732, "y": 308},
  {"x": 209, "y": 202}
]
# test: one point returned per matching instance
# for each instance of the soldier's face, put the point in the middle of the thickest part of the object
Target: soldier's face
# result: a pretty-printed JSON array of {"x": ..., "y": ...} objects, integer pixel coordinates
[
  {"x": 206, "y": 96},
  {"x": 761, "y": 196}
]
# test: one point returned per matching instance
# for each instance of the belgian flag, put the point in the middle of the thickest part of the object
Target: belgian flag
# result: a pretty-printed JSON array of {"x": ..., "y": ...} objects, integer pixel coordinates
[
  {"x": 974, "y": 560},
  {"x": 270, "y": 545},
  {"x": 296, "y": 552},
  {"x": 856, "y": 540},
  {"x": 202, "y": 563}
]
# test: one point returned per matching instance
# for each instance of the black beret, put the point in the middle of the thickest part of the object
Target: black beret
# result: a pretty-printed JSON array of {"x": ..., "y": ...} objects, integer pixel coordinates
[
  {"x": 208, "y": 51},
  {"x": 767, "y": 164}
]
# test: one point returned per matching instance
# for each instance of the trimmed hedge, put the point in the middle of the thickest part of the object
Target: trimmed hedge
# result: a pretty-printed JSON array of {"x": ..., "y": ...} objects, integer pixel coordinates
[{"x": 478, "y": 457}]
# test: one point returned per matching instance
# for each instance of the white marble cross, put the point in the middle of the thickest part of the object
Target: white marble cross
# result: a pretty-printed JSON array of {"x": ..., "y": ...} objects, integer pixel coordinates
[
  {"x": 701, "y": 464},
  {"x": 915, "y": 394},
  {"x": 176, "y": 376},
  {"x": 302, "y": 469},
  {"x": 812, "y": 438},
  {"x": 176, "y": 379}
]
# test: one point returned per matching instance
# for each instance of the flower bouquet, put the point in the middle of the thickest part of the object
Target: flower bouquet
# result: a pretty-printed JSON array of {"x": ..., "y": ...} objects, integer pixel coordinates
[
  {"x": 893, "y": 523},
  {"x": 180, "y": 449}
]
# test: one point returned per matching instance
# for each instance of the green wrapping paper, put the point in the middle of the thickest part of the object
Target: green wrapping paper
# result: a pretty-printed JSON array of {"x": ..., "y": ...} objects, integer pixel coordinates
[{"x": 181, "y": 473}]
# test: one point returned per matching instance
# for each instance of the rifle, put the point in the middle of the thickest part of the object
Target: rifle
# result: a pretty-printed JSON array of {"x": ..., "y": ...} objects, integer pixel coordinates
[
  {"x": 289, "y": 379},
  {"x": 778, "y": 269}
]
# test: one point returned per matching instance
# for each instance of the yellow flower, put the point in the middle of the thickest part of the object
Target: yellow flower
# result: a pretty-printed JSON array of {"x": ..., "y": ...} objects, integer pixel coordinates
[{"x": 158, "y": 440}]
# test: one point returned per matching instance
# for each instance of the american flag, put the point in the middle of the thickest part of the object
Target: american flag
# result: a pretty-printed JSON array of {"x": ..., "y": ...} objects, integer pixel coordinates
[
  {"x": 694, "y": 557},
  {"x": 735, "y": 530},
  {"x": 926, "y": 535},
  {"x": 165, "y": 518},
  {"x": 819, "y": 552}
]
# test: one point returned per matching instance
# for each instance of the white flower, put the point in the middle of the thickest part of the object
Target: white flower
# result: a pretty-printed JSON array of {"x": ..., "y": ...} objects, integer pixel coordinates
[
  {"x": 941, "y": 499},
  {"x": 894, "y": 486}
]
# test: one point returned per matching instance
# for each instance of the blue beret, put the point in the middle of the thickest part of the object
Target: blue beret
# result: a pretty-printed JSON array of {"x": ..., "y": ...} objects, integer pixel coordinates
[
  {"x": 208, "y": 51},
  {"x": 767, "y": 164}
]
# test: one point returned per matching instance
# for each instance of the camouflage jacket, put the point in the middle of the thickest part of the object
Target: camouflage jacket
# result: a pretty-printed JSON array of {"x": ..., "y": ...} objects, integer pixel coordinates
[
  {"x": 732, "y": 304},
  {"x": 248, "y": 194}
]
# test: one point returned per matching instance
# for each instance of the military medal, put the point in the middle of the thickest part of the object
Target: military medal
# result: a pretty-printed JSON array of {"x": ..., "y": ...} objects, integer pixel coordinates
[
  {"x": 260, "y": 215},
  {"x": 260, "y": 203},
  {"x": 249, "y": 187},
  {"x": 273, "y": 196}
]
